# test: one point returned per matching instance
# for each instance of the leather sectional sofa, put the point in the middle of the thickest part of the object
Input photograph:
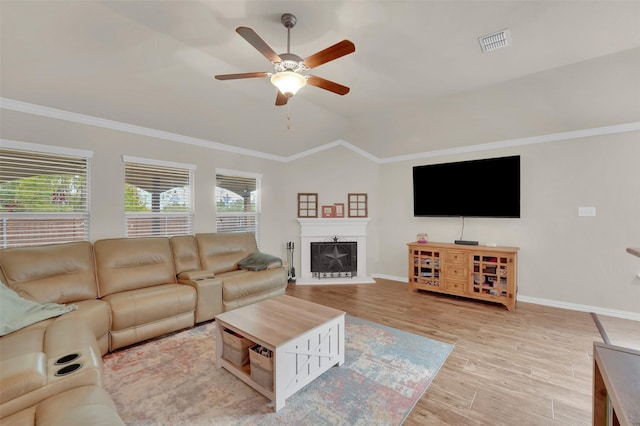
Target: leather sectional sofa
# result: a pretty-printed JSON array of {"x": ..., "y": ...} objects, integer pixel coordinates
[{"x": 125, "y": 291}]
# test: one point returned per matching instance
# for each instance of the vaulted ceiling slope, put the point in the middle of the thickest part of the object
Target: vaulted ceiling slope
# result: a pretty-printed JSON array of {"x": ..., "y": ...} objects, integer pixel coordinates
[{"x": 419, "y": 80}]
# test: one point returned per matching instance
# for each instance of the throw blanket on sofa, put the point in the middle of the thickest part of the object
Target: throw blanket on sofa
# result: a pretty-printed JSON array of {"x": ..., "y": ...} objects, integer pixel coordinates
[{"x": 17, "y": 312}]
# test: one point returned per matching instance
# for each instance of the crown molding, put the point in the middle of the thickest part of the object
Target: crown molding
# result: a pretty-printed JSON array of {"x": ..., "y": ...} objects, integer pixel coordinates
[
  {"x": 48, "y": 112},
  {"x": 331, "y": 145},
  {"x": 74, "y": 117},
  {"x": 552, "y": 137}
]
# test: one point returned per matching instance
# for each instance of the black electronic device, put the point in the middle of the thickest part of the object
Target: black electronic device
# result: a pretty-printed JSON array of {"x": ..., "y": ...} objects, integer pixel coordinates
[
  {"x": 476, "y": 188},
  {"x": 466, "y": 242}
]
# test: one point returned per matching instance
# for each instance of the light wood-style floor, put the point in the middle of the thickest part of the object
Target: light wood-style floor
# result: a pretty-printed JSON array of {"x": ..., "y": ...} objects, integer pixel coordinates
[{"x": 528, "y": 367}]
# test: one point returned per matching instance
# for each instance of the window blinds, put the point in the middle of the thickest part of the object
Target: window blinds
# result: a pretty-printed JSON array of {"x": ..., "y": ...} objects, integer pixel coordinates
[
  {"x": 44, "y": 198},
  {"x": 158, "y": 200},
  {"x": 237, "y": 203}
]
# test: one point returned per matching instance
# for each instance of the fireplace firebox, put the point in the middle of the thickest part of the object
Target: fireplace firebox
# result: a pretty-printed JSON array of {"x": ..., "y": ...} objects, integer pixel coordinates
[{"x": 334, "y": 259}]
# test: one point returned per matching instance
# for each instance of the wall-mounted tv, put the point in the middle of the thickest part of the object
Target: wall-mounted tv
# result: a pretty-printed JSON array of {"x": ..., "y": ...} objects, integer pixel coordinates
[{"x": 477, "y": 188}]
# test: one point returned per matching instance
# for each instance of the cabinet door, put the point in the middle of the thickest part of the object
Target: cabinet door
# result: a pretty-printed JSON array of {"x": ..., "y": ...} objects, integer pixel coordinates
[
  {"x": 426, "y": 267},
  {"x": 492, "y": 275}
]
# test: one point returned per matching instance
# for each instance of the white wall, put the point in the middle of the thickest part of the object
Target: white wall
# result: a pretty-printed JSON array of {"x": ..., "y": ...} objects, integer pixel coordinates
[
  {"x": 564, "y": 259},
  {"x": 107, "y": 172},
  {"x": 333, "y": 174}
]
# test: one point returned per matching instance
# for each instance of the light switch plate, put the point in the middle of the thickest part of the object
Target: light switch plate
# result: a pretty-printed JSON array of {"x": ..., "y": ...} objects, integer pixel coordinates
[{"x": 586, "y": 211}]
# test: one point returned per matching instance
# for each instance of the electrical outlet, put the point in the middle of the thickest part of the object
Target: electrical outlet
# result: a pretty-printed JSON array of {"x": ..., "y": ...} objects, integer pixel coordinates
[{"x": 586, "y": 211}]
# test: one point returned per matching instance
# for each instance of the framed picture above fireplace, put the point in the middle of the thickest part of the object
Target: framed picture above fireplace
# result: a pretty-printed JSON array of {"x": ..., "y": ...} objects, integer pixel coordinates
[
  {"x": 328, "y": 211},
  {"x": 307, "y": 204},
  {"x": 357, "y": 205}
]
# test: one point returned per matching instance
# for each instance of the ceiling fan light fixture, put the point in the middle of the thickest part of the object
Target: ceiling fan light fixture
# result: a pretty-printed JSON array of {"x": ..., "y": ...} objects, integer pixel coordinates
[{"x": 288, "y": 82}]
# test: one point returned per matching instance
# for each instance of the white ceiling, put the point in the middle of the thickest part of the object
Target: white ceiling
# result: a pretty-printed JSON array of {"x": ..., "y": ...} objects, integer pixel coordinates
[{"x": 151, "y": 63}]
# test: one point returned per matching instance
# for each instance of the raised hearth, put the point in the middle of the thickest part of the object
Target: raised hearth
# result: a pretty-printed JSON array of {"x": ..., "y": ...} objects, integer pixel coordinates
[{"x": 324, "y": 230}]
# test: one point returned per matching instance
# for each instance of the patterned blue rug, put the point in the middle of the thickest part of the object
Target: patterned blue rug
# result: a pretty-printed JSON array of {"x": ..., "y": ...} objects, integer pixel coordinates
[{"x": 385, "y": 373}]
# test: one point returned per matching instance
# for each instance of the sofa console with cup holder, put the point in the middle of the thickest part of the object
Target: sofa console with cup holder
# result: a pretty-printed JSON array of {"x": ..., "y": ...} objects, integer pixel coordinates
[{"x": 115, "y": 292}]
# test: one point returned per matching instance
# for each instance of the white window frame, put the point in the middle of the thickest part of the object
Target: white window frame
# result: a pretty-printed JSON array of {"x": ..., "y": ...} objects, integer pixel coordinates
[
  {"x": 256, "y": 214},
  {"x": 53, "y": 234},
  {"x": 131, "y": 217}
]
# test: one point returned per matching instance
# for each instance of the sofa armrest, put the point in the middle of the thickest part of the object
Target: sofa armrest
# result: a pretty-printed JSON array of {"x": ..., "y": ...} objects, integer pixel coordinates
[
  {"x": 85, "y": 370},
  {"x": 22, "y": 374},
  {"x": 209, "y": 296},
  {"x": 195, "y": 275}
]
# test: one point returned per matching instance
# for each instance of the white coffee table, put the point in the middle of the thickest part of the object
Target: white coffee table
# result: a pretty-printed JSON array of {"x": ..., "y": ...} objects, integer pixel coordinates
[{"x": 306, "y": 339}]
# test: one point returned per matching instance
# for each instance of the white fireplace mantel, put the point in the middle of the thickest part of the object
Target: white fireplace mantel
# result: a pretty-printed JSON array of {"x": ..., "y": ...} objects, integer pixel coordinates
[{"x": 317, "y": 229}]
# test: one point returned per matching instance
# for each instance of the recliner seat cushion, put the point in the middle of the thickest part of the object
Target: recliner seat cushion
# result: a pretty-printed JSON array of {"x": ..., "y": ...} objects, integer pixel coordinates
[
  {"x": 250, "y": 283},
  {"x": 27, "y": 340},
  {"x": 85, "y": 405},
  {"x": 146, "y": 305}
]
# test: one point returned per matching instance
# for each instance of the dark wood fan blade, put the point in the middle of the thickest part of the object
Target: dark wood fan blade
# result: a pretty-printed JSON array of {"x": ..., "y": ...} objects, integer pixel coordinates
[
  {"x": 281, "y": 99},
  {"x": 336, "y": 51},
  {"x": 242, "y": 75},
  {"x": 255, "y": 40},
  {"x": 327, "y": 85}
]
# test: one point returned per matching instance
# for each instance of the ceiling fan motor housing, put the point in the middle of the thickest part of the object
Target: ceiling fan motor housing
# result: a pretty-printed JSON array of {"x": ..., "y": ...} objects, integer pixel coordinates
[{"x": 290, "y": 62}]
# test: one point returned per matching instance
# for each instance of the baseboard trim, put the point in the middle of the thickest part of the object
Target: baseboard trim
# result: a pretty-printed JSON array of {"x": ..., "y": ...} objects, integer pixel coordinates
[
  {"x": 635, "y": 316},
  {"x": 582, "y": 308}
]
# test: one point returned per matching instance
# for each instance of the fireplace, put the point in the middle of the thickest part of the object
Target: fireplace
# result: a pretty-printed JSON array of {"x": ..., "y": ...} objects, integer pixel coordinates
[
  {"x": 327, "y": 230},
  {"x": 334, "y": 259}
]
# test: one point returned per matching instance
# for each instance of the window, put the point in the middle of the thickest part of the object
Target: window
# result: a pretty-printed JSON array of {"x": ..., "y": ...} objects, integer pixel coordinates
[
  {"x": 237, "y": 202},
  {"x": 43, "y": 194},
  {"x": 158, "y": 197}
]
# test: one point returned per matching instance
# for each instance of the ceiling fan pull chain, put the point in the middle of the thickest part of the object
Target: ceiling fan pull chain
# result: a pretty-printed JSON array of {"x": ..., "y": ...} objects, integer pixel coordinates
[{"x": 288, "y": 118}]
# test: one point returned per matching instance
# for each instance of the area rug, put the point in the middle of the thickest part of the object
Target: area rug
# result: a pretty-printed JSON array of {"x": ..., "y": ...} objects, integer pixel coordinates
[{"x": 173, "y": 381}]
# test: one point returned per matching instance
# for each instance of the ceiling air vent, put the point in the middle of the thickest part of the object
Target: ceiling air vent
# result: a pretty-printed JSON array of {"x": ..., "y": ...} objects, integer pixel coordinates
[{"x": 495, "y": 40}]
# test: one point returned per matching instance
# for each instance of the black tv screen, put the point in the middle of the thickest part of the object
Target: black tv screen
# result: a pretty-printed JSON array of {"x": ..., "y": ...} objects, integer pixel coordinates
[{"x": 476, "y": 188}]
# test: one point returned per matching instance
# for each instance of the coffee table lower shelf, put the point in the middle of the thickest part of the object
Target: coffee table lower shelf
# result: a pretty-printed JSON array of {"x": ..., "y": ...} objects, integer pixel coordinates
[
  {"x": 244, "y": 373},
  {"x": 296, "y": 362}
]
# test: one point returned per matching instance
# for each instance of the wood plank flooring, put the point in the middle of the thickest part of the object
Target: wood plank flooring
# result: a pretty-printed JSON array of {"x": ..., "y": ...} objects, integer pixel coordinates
[{"x": 528, "y": 367}]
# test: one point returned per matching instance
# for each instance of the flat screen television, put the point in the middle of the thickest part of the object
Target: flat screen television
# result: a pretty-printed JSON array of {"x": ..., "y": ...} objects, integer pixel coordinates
[{"x": 477, "y": 188}]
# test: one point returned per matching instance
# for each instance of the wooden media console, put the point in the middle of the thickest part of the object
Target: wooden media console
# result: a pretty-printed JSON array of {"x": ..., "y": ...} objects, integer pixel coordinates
[{"x": 476, "y": 272}]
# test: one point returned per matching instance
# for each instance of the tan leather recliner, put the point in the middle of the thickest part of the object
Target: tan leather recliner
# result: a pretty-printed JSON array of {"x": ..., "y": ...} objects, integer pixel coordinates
[
  {"x": 222, "y": 252},
  {"x": 59, "y": 273},
  {"x": 137, "y": 278}
]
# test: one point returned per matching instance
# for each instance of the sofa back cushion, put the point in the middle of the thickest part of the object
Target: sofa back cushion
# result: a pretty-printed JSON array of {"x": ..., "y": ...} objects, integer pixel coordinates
[
  {"x": 130, "y": 263},
  {"x": 221, "y": 252},
  {"x": 185, "y": 253},
  {"x": 56, "y": 273}
]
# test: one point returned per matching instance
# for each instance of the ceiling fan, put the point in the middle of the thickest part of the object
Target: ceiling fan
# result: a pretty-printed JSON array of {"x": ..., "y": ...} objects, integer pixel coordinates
[{"x": 288, "y": 74}]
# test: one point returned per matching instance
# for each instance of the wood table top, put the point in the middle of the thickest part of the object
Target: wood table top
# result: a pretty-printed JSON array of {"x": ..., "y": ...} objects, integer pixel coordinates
[
  {"x": 620, "y": 370},
  {"x": 279, "y": 319}
]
